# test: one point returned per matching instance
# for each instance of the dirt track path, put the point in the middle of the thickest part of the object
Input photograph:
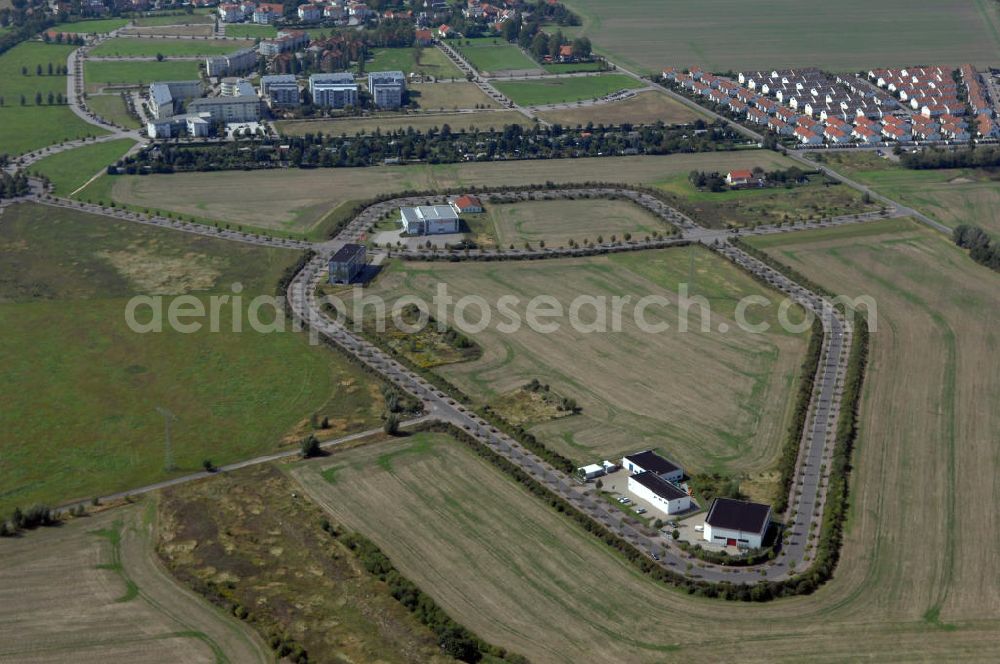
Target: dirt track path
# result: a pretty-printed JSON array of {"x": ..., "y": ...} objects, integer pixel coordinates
[{"x": 230, "y": 640}]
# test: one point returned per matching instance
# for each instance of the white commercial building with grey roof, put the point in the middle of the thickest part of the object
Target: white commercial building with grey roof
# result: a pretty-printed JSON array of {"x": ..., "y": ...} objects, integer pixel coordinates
[
  {"x": 429, "y": 220},
  {"x": 658, "y": 492},
  {"x": 737, "y": 523},
  {"x": 166, "y": 97}
]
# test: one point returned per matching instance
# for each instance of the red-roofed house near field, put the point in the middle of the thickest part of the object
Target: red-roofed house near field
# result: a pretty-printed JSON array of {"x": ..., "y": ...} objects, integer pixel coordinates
[
  {"x": 467, "y": 204},
  {"x": 739, "y": 178}
]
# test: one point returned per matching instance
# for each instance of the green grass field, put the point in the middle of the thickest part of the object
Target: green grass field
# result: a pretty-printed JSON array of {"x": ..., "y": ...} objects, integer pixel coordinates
[
  {"x": 713, "y": 401},
  {"x": 197, "y": 18},
  {"x": 112, "y": 108},
  {"x": 80, "y": 389},
  {"x": 251, "y": 31},
  {"x": 741, "y": 207},
  {"x": 167, "y": 47},
  {"x": 28, "y": 127},
  {"x": 70, "y": 170},
  {"x": 491, "y": 54},
  {"x": 565, "y": 90},
  {"x": 100, "y": 73},
  {"x": 432, "y": 62},
  {"x": 951, "y": 196},
  {"x": 647, "y": 35},
  {"x": 97, "y": 26},
  {"x": 570, "y": 67},
  {"x": 647, "y": 107}
]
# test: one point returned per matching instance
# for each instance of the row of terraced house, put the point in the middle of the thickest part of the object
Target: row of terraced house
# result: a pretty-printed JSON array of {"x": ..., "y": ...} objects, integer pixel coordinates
[{"x": 815, "y": 109}]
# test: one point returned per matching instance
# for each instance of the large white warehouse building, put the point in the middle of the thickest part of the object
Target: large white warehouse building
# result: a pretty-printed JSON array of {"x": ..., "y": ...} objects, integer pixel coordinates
[
  {"x": 429, "y": 219},
  {"x": 661, "y": 494}
]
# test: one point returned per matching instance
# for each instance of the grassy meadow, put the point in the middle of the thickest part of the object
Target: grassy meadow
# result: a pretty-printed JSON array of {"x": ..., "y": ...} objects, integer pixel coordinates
[
  {"x": 713, "y": 401},
  {"x": 76, "y": 377},
  {"x": 493, "y": 54},
  {"x": 721, "y": 35},
  {"x": 952, "y": 196},
  {"x": 28, "y": 126},
  {"x": 430, "y": 96},
  {"x": 112, "y": 108},
  {"x": 251, "y": 31},
  {"x": 565, "y": 90},
  {"x": 98, "y": 73},
  {"x": 125, "y": 46},
  {"x": 95, "y": 26},
  {"x": 432, "y": 62},
  {"x": 70, "y": 170}
]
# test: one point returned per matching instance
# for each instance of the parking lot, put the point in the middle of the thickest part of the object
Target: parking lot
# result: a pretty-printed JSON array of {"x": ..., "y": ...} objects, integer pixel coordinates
[{"x": 616, "y": 483}]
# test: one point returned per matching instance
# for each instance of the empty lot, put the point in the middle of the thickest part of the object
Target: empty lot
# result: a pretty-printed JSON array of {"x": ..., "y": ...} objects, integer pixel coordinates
[{"x": 298, "y": 200}]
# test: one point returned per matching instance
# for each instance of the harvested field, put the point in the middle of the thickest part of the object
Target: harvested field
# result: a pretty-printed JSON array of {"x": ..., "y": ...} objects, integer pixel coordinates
[
  {"x": 92, "y": 591},
  {"x": 198, "y": 17},
  {"x": 71, "y": 357},
  {"x": 299, "y": 200},
  {"x": 543, "y": 91},
  {"x": 527, "y": 578},
  {"x": 713, "y": 401},
  {"x": 419, "y": 122},
  {"x": 646, "y": 107},
  {"x": 250, "y": 540},
  {"x": 722, "y": 35},
  {"x": 559, "y": 221}
]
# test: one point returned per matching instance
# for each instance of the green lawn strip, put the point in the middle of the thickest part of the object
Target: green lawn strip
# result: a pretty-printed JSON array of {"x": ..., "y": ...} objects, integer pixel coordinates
[
  {"x": 27, "y": 128},
  {"x": 493, "y": 54},
  {"x": 432, "y": 62},
  {"x": 199, "y": 17},
  {"x": 97, "y": 26},
  {"x": 565, "y": 90},
  {"x": 71, "y": 169},
  {"x": 112, "y": 108},
  {"x": 133, "y": 73},
  {"x": 251, "y": 31},
  {"x": 126, "y": 46}
]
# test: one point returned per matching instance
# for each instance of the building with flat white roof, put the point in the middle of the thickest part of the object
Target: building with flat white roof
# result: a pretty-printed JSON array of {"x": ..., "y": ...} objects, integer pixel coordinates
[
  {"x": 334, "y": 90},
  {"x": 386, "y": 88},
  {"x": 280, "y": 89},
  {"x": 429, "y": 220},
  {"x": 166, "y": 97}
]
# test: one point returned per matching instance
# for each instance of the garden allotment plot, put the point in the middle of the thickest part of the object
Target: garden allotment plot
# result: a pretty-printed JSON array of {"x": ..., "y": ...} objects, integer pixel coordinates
[{"x": 712, "y": 401}]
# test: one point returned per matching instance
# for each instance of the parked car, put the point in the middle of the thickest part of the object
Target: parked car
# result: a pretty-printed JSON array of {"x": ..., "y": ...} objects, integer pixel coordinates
[
  {"x": 699, "y": 529},
  {"x": 640, "y": 510}
]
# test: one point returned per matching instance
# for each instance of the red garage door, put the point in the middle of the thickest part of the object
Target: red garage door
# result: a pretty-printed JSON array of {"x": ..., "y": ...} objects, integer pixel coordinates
[{"x": 730, "y": 542}]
